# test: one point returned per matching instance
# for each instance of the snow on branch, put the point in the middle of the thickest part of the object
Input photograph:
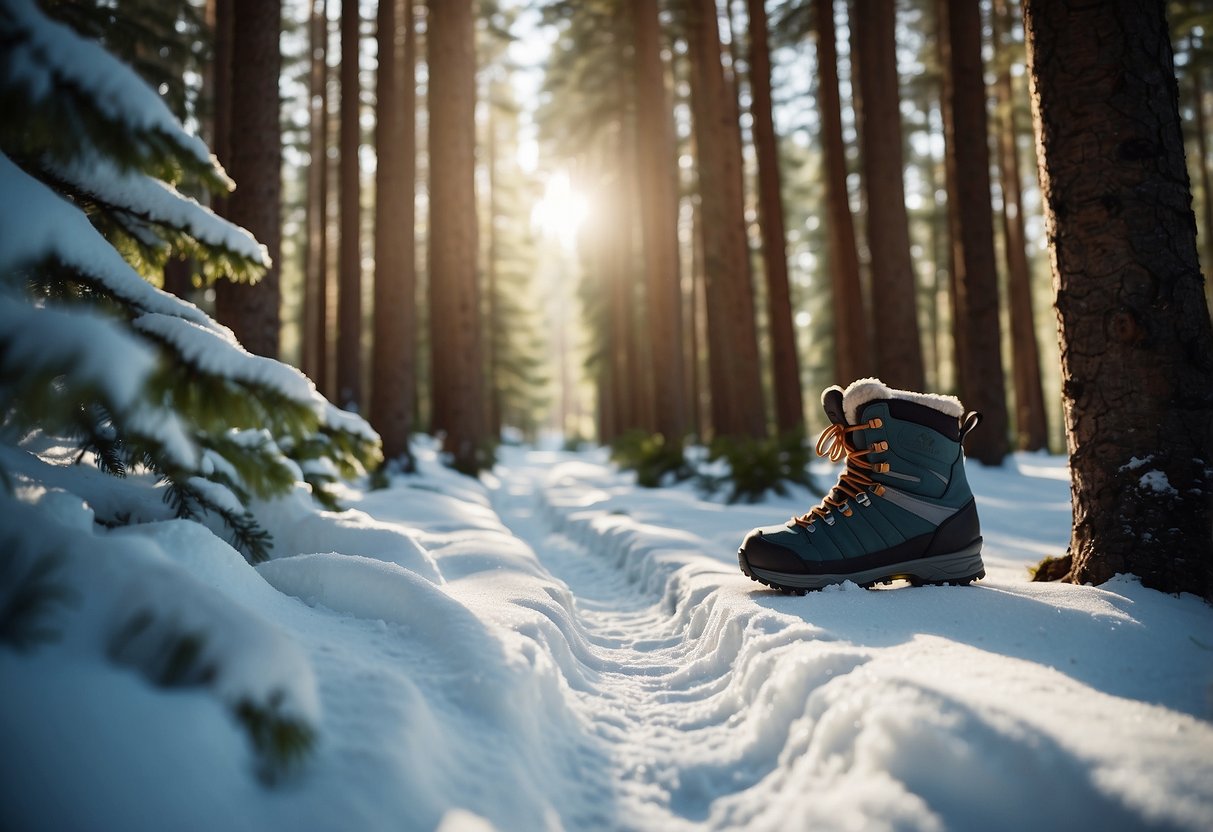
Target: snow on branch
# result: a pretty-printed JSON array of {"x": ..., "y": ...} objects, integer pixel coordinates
[
  {"x": 157, "y": 204},
  {"x": 37, "y": 226},
  {"x": 212, "y": 353},
  {"x": 43, "y": 62}
]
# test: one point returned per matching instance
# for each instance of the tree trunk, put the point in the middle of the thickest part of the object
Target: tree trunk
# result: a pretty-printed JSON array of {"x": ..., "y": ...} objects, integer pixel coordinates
[
  {"x": 1136, "y": 340},
  {"x": 455, "y": 324},
  {"x": 851, "y": 351},
  {"x": 898, "y": 347},
  {"x": 349, "y": 257},
  {"x": 315, "y": 277},
  {"x": 656, "y": 165},
  {"x": 1206, "y": 184},
  {"x": 494, "y": 325},
  {"x": 255, "y": 163},
  {"x": 979, "y": 351},
  {"x": 737, "y": 400},
  {"x": 179, "y": 277},
  {"x": 1030, "y": 426},
  {"x": 393, "y": 357},
  {"x": 219, "y": 16},
  {"x": 785, "y": 364}
]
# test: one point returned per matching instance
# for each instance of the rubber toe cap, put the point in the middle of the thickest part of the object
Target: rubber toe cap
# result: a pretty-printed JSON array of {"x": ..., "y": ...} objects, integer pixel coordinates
[{"x": 761, "y": 553}]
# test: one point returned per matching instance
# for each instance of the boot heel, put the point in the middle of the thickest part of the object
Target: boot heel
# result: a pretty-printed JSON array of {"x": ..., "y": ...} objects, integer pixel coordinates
[{"x": 960, "y": 567}]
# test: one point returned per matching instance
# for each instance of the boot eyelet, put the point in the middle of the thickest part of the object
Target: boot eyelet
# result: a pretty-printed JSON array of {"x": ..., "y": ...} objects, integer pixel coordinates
[
  {"x": 846, "y": 510},
  {"x": 875, "y": 423},
  {"x": 829, "y": 518},
  {"x": 878, "y": 490},
  {"x": 862, "y": 499},
  {"x": 882, "y": 467},
  {"x": 881, "y": 446}
]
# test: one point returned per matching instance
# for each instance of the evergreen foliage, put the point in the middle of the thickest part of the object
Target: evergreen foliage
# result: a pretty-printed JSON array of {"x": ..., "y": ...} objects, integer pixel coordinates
[
  {"x": 172, "y": 656},
  {"x": 145, "y": 382},
  {"x": 756, "y": 466},
  {"x": 30, "y": 591},
  {"x": 653, "y": 459}
]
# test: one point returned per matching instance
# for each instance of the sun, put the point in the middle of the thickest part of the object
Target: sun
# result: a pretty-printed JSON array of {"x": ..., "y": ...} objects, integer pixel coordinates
[{"x": 561, "y": 211}]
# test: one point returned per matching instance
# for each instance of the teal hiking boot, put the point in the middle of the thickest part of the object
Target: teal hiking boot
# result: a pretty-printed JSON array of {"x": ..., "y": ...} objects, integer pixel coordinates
[{"x": 901, "y": 508}]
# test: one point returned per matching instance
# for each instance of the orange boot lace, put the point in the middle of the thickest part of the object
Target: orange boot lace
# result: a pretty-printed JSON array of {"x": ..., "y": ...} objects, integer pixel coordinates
[{"x": 834, "y": 444}]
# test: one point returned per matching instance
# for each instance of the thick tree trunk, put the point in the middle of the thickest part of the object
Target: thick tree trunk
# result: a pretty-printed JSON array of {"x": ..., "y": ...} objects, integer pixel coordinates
[
  {"x": 1136, "y": 340},
  {"x": 393, "y": 357},
  {"x": 851, "y": 350},
  {"x": 1206, "y": 181},
  {"x": 898, "y": 347},
  {"x": 315, "y": 276},
  {"x": 785, "y": 364},
  {"x": 656, "y": 164},
  {"x": 255, "y": 163},
  {"x": 493, "y": 325},
  {"x": 737, "y": 400},
  {"x": 979, "y": 350},
  {"x": 1031, "y": 429},
  {"x": 455, "y": 320},
  {"x": 349, "y": 255}
]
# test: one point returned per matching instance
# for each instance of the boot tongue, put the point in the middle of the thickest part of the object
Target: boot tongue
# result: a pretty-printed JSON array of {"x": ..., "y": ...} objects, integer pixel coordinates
[{"x": 831, "y": 401}]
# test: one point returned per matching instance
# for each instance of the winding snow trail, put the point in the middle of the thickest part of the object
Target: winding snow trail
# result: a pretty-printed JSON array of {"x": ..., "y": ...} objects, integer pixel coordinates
[{"x": 717, "y": 704}]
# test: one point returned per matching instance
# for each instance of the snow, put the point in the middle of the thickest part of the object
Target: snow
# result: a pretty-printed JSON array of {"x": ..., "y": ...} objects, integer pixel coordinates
[
  {"x": 1157, "y": 481},
  {"x": 81, "y": 344},
  {"x": 40, "y": 225},
  {"x": 552, "y": 647},
  {"x": 219, "y": 354},
  {"x": 158, "y": 202},
  {"x": 47, "y": 57}
]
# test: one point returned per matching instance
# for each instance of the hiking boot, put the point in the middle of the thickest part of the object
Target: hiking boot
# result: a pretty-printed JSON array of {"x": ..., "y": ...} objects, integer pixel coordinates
[{"x": 901, "y": 508}]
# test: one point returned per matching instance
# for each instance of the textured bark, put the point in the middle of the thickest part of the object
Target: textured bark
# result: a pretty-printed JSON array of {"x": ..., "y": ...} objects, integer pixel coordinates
[
  {"x": 455, "y": 325},
  {"x": 1136, "y": 341},
  {"x": 393, "y": 357},
  {"x": 219, "y": 16},
  {"x": 656, "y": 164},
  {"x": 315, "y": 274},
  {"x": 493, "y": 322},
  {"x": 851, "y": 352},
  {"x": 975, "y": 275},
  {"x": 1031, "y": 428},
  {"x": 898, "y": 347},
  {"x": 785, "y": 364},
  {"x": 737, "y": 400},
  {"x": 255, "y": 163},
  {"x": 349, "y": 244},
  {"x": 1206, "y": 182}
]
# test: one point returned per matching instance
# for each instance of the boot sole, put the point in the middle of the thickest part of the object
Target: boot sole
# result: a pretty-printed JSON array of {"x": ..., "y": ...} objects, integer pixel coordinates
[{"x": 959, "y": 568}]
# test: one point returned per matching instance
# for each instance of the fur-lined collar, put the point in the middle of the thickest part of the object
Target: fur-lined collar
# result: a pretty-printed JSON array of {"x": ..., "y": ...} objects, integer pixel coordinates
[{"x": 865, "y": 390}]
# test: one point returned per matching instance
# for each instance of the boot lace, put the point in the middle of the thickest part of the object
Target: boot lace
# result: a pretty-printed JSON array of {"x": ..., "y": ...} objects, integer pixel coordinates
[{"x": 835, "y": 445}]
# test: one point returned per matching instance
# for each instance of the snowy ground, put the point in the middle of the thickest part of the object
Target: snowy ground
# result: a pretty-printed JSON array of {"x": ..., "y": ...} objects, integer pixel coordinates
[{"x": 555, "y": 648}]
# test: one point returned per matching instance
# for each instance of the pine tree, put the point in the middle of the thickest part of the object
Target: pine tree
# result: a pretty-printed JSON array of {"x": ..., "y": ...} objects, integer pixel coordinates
[
  {"x": 349, "y": 243},
  {"x": 315, "y": 357},
  {"x": 851, "y": 350},
  {"x": 976, "y": 320},
  {"x": 894, "y": 312},
  {"x": 1136, "y": 339},
  {"x": 393, "y": 383},
  {"x": 1030, "y": 425},
  {"x": 142, "y": 380},
  {"x": 255, "y": 148},
  {"x": 785, "y": 363},
  {"x": 455, "y": 314},
  {"x": 738, "y": 409},
  {"x": 658, "y": 198}
]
